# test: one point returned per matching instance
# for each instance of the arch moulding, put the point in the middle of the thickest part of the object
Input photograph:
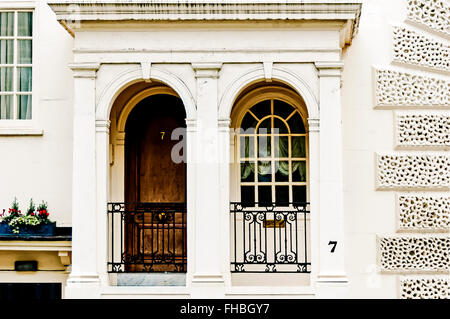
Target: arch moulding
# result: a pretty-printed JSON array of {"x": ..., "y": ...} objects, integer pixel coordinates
[
  {"x": 132, "y": 75},
  {"x": 264, "y": 93},
  {"x": 257, "y": 74}
]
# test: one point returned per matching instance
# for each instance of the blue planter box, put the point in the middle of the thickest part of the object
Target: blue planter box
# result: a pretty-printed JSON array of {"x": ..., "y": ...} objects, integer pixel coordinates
[{"x": 26, "y": 231}]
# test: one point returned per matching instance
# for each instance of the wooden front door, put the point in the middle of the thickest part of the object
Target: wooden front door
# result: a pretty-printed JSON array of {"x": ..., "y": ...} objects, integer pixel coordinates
[{"x": 155, "y": 187}]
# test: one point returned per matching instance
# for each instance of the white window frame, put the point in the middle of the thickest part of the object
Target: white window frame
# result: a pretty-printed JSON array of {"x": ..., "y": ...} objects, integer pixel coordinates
[{"x": 16, "y": 127}]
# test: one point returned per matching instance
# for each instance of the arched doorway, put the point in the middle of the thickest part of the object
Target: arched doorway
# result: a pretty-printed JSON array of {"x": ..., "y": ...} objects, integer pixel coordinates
[{"x": 155, "y": 186}]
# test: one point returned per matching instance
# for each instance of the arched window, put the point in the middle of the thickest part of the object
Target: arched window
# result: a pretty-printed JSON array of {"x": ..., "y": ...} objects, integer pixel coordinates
[{"x": 272, "y": 151}]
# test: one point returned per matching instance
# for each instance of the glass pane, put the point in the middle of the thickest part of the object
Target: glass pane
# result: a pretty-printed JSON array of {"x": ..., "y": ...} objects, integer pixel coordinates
[
  {"x": 24, "y": 77},
  {"x": 6, "y": 51},
  {"x": 262, "y": 109},
  {"x": 247, "y": 172},
  {"x": 6, "y": 79},
  {"x": 296, "y": 124},
  {"x": 282, "y": 109},
  {"x": 282, "y": 171},
  {"x": 264, "y": 195},
  {"x": 247, "y": 146},
  {"x": 24, "y": 107},
  {"x": 298, "y": 146},
  {"x": 281, "y": 144},
  {"x": 25, "y": 21},
  {"x": 248, "y": 123},
  {"x": 264, "y": 146},
  {"x": 264, "y": 171},
  {"x": 248, "y": 195},
  {"x": 6, "y": 24},
  {"x": 265, "y": 126},
  {"x": 282, "y": 194},
  {"x": 279, "y": 127},
  {"x": 6, "y": 107},
  {"x": 299, "y": 171},
  {"x": 299, "y": 194},
  {"x": 24, "y": 51}
]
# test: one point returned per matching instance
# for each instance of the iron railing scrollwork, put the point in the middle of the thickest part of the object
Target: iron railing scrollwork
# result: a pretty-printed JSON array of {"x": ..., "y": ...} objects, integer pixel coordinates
[
  {"x": 270, "y": 238},
  {"x": 151, "y": 237},
  {"x": 147, "y": 237}
]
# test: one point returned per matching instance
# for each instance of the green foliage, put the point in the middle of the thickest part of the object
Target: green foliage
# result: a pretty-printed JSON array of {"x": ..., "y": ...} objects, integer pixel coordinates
[
  {"x": 32, "y": 208},
  {"x": 14, "y": 210},
  {"x": 28, "y": 220},
  {"x": 43, "y": 206},
  {"x": 43, "y": 211}
]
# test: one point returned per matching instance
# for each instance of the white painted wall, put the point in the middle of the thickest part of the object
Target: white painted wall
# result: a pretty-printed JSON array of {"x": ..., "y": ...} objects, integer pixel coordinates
[
  {"x": 365, "y": 131},
  {"x": 40, "y": 167}
]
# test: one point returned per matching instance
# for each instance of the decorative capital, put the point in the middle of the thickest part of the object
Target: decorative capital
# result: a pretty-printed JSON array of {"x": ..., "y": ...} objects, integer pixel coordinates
[
  {"x": 102, "y": 126},
  {"x": 329, "y": 69},
  {"x": 314, "y": 124},
  {"x": 191, "y": 125},
  {"x": 85, "y": 70},
  {"x": 224, "y": 125},
  {"x": 206, "y": 70}
]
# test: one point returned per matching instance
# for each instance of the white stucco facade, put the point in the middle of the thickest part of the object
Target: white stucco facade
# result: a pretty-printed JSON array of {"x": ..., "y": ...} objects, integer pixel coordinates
[{"x": 344, "y": 59}]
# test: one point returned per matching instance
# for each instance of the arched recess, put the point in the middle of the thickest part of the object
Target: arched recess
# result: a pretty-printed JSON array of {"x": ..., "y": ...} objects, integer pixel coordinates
[
  {"x": 145, "y": 176},
  {"x": 114, "y": 105},
  {"x": 270, "y": 185},
  {"x": 123, "y": 106}
]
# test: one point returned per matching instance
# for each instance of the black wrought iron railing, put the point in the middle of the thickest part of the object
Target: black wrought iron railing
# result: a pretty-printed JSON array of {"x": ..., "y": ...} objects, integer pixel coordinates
[
  {"x": 147, "y": 237},
  {"x": 270, "y": 238}
]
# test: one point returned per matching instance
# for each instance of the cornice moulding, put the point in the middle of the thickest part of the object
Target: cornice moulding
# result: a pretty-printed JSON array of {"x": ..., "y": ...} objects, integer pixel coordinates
[{"x": 71, "y": 12}]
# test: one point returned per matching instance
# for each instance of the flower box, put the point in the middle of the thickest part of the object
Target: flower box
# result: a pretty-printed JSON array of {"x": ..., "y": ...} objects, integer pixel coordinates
[{"x": 28, "y": 231}]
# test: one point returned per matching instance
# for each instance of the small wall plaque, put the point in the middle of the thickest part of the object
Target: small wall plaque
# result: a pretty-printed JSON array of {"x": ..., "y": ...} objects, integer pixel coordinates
[{"x": 271, "y": 223}]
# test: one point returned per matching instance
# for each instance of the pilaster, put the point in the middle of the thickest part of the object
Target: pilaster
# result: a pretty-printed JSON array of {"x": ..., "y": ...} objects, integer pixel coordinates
[
  {"x": 331, "y": 277},
  {"x": 208, "y": 247},
  {"x": 84, "y": 280},
  {"x": 102, "y": 165}
]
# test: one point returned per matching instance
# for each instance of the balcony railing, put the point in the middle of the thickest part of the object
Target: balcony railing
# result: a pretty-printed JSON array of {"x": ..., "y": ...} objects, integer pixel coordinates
[
  {"x": 151, "y": 237},
  {"x": 270, "y": 238},
  {"x": 147, "y": 237}
]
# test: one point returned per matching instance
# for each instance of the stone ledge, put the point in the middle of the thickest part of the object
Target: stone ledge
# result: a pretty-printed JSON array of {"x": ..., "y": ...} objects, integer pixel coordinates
[
  {"x": 156, "y": 279},
  {"x": 13, "y": 131}
]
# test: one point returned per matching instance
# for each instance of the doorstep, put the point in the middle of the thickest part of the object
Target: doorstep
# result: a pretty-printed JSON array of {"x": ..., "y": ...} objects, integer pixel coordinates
[{"x": 154, "y": 279}]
